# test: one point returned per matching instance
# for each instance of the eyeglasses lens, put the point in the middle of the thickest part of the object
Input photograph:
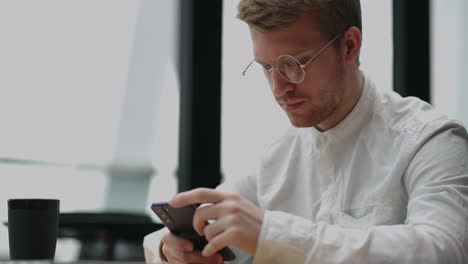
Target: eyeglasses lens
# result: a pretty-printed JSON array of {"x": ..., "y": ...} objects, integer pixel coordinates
[{"x": 290, "y": 68}]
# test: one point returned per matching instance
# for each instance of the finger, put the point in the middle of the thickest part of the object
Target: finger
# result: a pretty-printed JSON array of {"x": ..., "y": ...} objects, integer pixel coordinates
[
  {"x": 216, "y": 228},
  {"x": 194, "y": 257},
  {"x": 197, "y": 257},
  {"x": 197, "y": 196},
  {"x": 170, "y": 254},
  {"x": 174, "y": 255},
  {"x": 179, "y": 250},
  {"x": 179, "y": 243},
  {"x": 202, "y": 215},
  {"x": 217, "y": 243}
]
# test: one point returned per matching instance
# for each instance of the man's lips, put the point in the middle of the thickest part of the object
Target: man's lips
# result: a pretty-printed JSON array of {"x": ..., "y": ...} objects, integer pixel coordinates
[{"x": 291, "y": 106}]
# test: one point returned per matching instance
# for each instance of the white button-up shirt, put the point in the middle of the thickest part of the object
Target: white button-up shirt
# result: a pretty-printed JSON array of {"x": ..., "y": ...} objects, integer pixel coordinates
[{"x": 389, "y": 184}]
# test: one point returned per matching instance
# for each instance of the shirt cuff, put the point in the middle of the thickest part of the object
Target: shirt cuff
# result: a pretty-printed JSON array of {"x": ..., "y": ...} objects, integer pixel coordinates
[
  {"x": 151, "y": 246},
  {"x": 282, "y": 239}
]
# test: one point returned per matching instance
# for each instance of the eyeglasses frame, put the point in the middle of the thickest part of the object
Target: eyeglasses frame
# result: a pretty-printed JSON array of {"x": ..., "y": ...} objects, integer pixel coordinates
[{"x": 300, "y": 64}]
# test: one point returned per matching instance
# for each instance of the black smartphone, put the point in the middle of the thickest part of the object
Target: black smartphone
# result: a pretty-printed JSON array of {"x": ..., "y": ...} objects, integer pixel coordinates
[{"x": 180, "y": 222}]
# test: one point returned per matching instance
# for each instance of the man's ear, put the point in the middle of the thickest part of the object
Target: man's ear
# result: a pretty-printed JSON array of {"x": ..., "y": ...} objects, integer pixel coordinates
[{"x": 352, "y": 41}]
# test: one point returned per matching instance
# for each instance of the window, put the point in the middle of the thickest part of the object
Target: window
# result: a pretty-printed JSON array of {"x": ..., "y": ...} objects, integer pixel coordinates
[
  {"x": 88, "y": 87},
  {"x": 64, "y": 71}
]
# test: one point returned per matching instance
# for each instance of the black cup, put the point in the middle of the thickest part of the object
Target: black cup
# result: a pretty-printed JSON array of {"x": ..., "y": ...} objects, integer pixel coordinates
[{"x": 33, "y": 228}]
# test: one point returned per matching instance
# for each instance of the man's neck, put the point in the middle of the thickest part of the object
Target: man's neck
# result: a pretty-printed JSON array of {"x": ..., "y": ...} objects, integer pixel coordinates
[{"x": 350, "y": 99}]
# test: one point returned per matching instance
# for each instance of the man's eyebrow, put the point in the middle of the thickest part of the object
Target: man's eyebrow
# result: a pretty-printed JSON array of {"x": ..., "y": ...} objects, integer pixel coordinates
[
  {"x": 302, "y": 53},
  {"x": 297, "y": 55}
]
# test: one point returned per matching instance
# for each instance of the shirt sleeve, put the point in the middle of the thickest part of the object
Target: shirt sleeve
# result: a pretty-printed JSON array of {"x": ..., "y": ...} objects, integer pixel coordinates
[
  {"x": 435, "y": 230},
  {"x": 245, "y": 186}
]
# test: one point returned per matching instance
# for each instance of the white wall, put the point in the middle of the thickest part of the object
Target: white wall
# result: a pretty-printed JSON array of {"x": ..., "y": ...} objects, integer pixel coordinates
[
  {"x": 450, "y": 57},
  {"x": 377, "y": 46}
]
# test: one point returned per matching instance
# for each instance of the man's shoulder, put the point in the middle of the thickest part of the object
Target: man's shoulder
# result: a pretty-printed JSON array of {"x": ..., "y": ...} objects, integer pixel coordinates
[
  {"x": 408, "y": 114},
  {"x": 415, "y": 120}
]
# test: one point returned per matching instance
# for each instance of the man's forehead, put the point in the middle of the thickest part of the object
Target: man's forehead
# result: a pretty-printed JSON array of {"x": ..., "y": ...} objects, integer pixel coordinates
[
  {"x": 267, "y": 46},
  {"x": 272, "y": 58}
]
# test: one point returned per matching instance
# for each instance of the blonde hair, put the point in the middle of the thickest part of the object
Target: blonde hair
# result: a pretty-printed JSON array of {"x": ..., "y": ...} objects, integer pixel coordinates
[{"x": 334, "y": 16}]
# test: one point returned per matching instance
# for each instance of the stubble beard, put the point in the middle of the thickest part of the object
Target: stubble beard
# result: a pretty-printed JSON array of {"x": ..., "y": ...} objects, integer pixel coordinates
[{"x": 318, "y": 113}]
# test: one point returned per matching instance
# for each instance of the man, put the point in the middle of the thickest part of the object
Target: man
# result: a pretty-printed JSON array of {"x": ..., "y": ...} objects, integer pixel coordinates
[{"x": 363, "y": 176}]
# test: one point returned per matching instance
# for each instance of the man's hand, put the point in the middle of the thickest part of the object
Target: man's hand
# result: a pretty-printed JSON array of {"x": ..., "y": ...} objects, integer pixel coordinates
[
  {"x": 178, "y": 250},
  {"x": 238, "y": 221}
]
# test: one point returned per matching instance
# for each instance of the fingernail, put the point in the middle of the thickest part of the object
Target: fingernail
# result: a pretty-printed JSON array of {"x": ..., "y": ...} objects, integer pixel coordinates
[{"x": 172, "y": 202}]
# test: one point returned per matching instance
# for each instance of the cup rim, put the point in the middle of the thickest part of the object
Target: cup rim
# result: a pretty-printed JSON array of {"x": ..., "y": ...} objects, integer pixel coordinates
[{"x": 33, "y": 204}]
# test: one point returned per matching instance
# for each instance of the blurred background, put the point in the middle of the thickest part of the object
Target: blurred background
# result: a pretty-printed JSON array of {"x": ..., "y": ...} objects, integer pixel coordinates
[{"x": 93, "y": 96}]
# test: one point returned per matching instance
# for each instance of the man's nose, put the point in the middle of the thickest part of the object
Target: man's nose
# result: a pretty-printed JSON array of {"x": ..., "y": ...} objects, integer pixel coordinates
[{"x": 279, "y": 85}]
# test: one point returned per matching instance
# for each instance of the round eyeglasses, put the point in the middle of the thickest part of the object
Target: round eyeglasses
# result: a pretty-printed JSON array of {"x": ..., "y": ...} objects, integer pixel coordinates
[{"x": 290, "y": 68}]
